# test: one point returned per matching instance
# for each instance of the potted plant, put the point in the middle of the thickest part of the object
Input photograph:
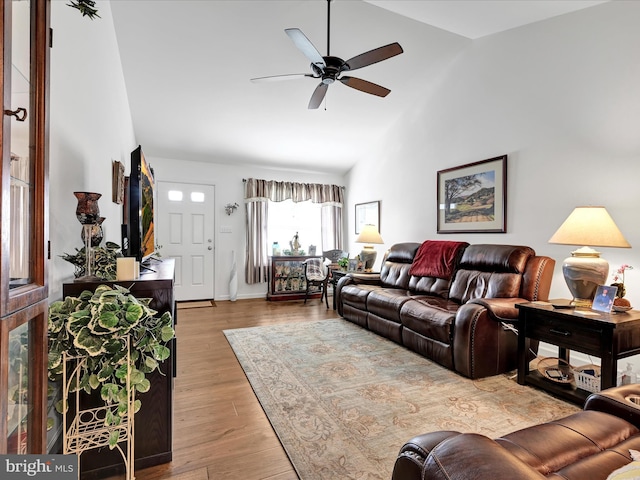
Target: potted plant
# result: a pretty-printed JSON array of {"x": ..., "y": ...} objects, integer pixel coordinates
[
  {"x": 104, "y": 259},
  {"x": 95, "y": 326},
  {"x": 343, "y": 262}
]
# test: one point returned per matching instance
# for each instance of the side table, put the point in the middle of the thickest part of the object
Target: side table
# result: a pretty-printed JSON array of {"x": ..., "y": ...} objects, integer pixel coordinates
[{"x": 609, "y": 336}]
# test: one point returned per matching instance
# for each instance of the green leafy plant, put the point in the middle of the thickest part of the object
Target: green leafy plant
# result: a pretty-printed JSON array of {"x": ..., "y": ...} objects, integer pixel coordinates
[
  {"x": 86, "y": 7},
  {"x": 104, "y": 261},
  {"x": 343, "y": 262},
  {"x": 94, "y": 326}
]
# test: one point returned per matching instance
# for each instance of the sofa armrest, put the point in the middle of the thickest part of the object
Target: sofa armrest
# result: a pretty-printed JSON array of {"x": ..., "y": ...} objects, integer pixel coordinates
[
  {"x": 482, "y": 344},
  {"x": 500, "y": 309},
  {"x": 353, "y": 279},
  {"x": 412, "y": 455},
  {"x": 471, "y": 455},
  {"x": 623, "y": 402}
]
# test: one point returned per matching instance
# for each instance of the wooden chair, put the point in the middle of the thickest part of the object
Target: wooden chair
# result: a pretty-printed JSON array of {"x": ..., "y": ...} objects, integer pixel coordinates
[{"x": 316, "y": 274}]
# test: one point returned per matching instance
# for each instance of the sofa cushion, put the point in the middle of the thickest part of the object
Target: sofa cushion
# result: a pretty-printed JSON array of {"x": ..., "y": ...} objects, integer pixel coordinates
[
  {"x": 430, "y": 317},
  {"x": 386, "y": 303},
  {"x": 356, "y": 295},
  {"x": 577, "y": 436},
  {"x": 490, "y": 271},
  {"x": 395, "y": 268}
]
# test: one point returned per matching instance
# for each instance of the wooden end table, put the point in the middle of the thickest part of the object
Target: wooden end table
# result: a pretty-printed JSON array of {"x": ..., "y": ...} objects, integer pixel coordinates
[{"x": 609, "y": 336}]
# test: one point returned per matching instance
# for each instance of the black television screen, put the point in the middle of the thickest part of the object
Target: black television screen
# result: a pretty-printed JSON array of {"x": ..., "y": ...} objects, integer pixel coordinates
[{"x": 139, "y": 216}]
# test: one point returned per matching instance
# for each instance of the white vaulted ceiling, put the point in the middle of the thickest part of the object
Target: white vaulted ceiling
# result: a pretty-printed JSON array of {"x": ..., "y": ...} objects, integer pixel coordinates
[{"x": 188, "y": 64}]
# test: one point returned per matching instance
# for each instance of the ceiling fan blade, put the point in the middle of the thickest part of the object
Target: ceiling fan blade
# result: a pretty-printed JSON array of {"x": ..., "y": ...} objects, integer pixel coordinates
[
  {"x": 305, "y": 46},
  {"x": 373, "y": 56},
  {"x": 275, "y": 78},
  {"x": 365, "y": 86},
  {"x": 318, "y": 96}
]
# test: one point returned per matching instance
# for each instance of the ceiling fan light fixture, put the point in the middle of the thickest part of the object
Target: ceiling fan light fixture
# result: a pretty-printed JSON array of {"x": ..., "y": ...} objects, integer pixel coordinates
[{"x": 329, "y": 68}]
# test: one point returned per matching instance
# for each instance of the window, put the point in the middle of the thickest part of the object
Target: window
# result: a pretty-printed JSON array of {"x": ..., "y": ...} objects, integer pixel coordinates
[
  {"x": 174, "y": 195},
  {"x": 286, "y": 218}
]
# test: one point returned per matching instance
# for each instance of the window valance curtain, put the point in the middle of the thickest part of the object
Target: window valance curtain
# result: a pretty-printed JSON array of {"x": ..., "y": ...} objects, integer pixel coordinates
[
  {"x": 258, "y": 193},
  {"x": 256, "y": 190}
]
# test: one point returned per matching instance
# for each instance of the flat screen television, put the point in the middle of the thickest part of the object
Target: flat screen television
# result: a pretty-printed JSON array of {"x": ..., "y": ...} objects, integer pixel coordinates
[{"x": 139, "y": 213}]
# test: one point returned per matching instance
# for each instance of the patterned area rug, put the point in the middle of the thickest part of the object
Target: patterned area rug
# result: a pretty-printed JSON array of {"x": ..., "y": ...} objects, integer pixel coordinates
[{"x": 343, "y": 400}]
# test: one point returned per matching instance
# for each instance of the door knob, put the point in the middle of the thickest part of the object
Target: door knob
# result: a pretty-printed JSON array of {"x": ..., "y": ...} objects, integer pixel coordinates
[{"x": 209, "y": 247}]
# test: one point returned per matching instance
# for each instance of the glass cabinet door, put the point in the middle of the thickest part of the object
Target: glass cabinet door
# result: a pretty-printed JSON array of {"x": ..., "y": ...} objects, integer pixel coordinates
[
  {"x": 20, "y": 405},
  {"x": 23, "y": 382},
  {"x": 24, "y": 26},
  {"x": 21, "y": 164},
  {"x": 24, "y": 147}
]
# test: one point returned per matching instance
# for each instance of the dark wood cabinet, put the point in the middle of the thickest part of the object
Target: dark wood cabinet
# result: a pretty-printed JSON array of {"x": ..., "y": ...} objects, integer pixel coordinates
[
  {"x": 154, "y": 422},
  {"x": 24, "y": 226},
  {"x": 286, "y": 278}
]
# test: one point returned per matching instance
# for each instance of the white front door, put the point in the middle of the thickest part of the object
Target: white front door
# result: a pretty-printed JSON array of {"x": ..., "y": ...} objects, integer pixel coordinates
[{"x": 185, "y": 232}]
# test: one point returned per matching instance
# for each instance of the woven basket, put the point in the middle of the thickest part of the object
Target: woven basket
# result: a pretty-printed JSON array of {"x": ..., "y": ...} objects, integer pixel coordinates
[{"x": 547, "y": 364}]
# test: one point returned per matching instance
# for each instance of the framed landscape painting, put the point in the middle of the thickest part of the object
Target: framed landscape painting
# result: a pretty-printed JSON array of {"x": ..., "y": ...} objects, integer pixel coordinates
[{"x": 472, "y": 198}]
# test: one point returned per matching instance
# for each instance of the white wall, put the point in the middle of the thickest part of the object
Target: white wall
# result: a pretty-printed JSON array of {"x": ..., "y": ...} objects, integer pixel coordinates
[
  {"x": 90, "y": 125},
  {"x": 229, "y": 188},
  {"x": 561, "y": 98}
]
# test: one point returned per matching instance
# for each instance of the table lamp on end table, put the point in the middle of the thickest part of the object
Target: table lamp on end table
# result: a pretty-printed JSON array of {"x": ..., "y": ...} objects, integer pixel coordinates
[
  {"x": 369, "y": 235},
  {"x": 584, "y": 270}
]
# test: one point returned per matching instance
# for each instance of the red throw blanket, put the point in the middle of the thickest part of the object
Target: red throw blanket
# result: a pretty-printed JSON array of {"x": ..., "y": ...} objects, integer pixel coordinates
[{"x": 436, "y": 258}]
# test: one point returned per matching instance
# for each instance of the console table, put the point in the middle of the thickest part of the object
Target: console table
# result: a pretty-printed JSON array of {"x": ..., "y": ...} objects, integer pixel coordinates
[
  {"x": 153, "y": 423},
  {"x": 609, "y": 336}
]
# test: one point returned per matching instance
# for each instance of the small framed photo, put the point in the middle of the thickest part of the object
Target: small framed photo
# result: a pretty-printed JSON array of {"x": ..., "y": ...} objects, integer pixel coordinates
[
  {"x": 603, "y": 300},
  {"x": 353, "y": 264}
]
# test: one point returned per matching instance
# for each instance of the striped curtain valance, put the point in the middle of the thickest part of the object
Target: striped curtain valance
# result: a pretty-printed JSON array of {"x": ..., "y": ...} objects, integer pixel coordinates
[{"x": 276, "y": 191}]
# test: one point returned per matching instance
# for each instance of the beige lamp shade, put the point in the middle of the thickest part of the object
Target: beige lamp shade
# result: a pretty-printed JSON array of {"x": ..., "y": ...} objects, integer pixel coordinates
[
  {"x": 369, "y": 235},
  {"x": 590, "y": 226},
  {"x": 585, "y": 270}
]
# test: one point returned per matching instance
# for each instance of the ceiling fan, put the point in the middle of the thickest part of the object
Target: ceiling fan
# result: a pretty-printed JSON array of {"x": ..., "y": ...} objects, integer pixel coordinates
[{"x": 330, "y": 69}]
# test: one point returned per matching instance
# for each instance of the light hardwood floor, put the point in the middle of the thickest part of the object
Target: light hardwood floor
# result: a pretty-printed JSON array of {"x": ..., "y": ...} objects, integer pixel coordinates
[{"x": 220, "y": 431}]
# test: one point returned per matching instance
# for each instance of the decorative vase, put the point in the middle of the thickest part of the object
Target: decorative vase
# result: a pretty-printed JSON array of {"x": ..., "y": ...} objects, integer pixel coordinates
[
  {"x": 233, "y": 279},
  {"x": 97, "y": 234},
  {"x": 87, "y": 211},
  {"x": 88, "y": 214}
]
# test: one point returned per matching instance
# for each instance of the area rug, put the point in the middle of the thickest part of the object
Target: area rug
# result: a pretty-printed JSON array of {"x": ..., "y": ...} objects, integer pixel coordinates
[{"x": 344, "y": 400}]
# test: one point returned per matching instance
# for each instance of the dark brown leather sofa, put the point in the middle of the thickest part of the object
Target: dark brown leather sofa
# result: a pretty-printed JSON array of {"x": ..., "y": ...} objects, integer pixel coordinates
[
  {"x": 459, "y": 322},
  {"x": 587, "y": 445}
]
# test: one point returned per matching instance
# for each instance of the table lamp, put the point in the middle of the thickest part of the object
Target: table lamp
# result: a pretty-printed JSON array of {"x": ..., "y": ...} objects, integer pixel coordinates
[
  {"x": 585, "y": 269},
  {"x": 368, "y": 235}
]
